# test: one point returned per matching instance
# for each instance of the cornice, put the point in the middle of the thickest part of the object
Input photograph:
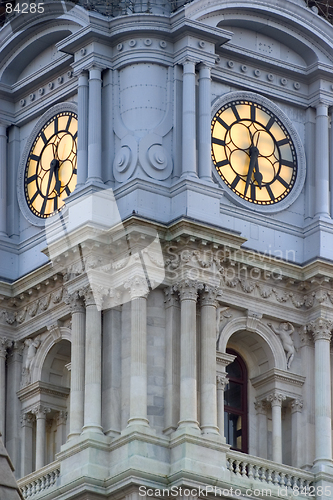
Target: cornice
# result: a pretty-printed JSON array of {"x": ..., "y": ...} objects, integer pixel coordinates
[
  {"x": 276, "y": 375},
  {"x": 39, "y": 387}
]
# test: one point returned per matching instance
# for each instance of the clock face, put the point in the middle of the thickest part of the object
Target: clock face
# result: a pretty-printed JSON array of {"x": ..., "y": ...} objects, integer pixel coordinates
[
  {"x": 50, "y": 173},
  {"x": 253, "y": 152}
]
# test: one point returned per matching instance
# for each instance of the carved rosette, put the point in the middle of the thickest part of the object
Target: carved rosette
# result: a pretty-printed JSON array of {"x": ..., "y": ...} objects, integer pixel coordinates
[
  {"x": 188, "y": 290},
  {"x": 276, "y": 399},
  {"x": 296, "y": 405},
  {"x": 221, "y": 381},
  {"x": 321, "y": 329}
]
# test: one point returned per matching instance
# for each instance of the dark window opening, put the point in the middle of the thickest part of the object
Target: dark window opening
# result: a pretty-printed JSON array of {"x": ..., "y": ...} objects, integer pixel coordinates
[{"x": 235, "y": 404}]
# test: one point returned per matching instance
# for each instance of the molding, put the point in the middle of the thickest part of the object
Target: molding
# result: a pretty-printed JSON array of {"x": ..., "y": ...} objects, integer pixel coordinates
[
  {"x": 276, "y": 375},
  {"x": 38, "y": 388}
]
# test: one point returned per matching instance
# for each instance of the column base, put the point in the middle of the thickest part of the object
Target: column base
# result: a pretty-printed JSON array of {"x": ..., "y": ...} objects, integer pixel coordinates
[
  {"x": 209, "y": 429},
  {"x": 323, "y": 465},
  {"x": 188, "y": 424},
  {"x": 92, "y": 428},
  {"x": 189, "y": 174},
  {"x": 73, "y": 435},
  {"x": 137, "y": 421}
]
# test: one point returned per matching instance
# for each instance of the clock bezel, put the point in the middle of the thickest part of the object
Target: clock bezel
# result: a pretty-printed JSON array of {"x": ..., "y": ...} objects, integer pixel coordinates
[
  {"x": 300, "y": 154},
  {"x": 23, "y": 204}
]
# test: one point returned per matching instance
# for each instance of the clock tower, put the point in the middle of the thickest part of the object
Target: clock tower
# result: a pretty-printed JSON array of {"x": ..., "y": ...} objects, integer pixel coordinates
[{"x": 166, "y": 247}]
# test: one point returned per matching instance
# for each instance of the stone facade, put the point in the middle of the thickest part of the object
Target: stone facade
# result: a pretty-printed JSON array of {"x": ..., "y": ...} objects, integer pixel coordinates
[{"x": 123, "y": 316}]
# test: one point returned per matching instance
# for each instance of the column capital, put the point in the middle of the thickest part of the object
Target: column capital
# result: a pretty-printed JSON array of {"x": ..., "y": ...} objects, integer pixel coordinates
[
  {"x": 87, "y": 295},
  {"x": 209, "y": 295},
  {"x": 61, "y": 417},
  {"x": 276, "y": 399},
  {"x": 261, "y": 406},
  {"x": 40, "y": 411},
  {"x": 221, "y": 381},
  {"x": 171, "y": 297},
  {"x": 16, "y": 350},
  {"x": 296, "y": 405},
  {"x": 137, "y": 286},
  {"x": 321, "y": 329},
  {"x": 26, "y": 419},
  {"x": 75, "y": 301},
  {"x": 4, "y": 345},
  {"x": 188, "y": 290}
]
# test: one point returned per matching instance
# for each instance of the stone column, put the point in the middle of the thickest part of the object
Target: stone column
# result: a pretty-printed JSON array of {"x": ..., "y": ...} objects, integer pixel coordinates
[
  {"x": 26, "y": 444},
  {"x": 3, "y": 179},
  {"x": 276, "y": 402},
  {"x": 221, "y": 382},
  {"x": 322, "y": 203},
  {"x": 13, "y": 410},
  {"x": 189, "y": 121},
  {"x": 61, "y": 429},
  {"x": 40, "y": 412},
  {"x": 82, "y": 136},
  {"x": 296, "y": 432},
  {"x": 4, "y": 344},
  {"x": 208, "y": 361},
  {"x": 261, "y": 409},
  {"x": 76, "y": 416},
  {"x": 188, "y": 292},
  {"x": 138, "y": 381},
  {"x": 205, "y": 161},
  {"x": 321, "y": 330},
  {"x": 93, "y": 366},
  {"x": 172, "y": 359},
  {"x": 95, "y": 125}
]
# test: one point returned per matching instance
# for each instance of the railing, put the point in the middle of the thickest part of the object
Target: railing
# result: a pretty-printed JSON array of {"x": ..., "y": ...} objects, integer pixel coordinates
[
  {"x": 269, "y": 473},
  {"x": 39, "y": 481}
]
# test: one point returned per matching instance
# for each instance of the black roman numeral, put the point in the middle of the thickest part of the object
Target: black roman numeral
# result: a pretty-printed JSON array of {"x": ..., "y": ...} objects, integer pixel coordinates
[
  {"x": 31, "y": 178},
  {"x": 235, "y": 112},
  {"x": 283, "y": 142},
  {"x": 221, "y": 122},
  {"x": 68, "y": 191},
  {"x": 56, "y": 125},
  {"x": 270, "y": 123},
  {"x": 220, "y": 142},
  {"x": 68, "y": 123},
  {"x": 253, "y": 113},
  {"x": 235, "y": 182},
  {"x": 34, "y": 157},
  {"x": 283, "y": 182},
  {"x": 270, "y": 192},
  {"x": 222, "y": 163}
]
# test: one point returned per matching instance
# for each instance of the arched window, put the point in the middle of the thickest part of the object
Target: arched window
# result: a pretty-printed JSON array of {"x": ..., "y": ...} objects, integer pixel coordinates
[{"x": 235, "y": 404}]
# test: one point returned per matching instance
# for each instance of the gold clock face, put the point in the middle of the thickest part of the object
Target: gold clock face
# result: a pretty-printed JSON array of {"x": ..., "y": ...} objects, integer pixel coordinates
[
  {"x": 253, "y": 152},
  {"x": 50, "y": 172}
]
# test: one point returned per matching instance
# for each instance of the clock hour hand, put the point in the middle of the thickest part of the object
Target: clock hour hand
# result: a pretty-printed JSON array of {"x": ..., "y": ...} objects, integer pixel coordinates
[{"x": 254, "y": 152}]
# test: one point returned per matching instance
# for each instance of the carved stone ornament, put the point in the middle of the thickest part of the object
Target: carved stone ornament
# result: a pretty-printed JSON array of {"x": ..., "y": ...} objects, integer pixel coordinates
[
  {"x": 4, "y": 345},
  {"x": 188, "y": 290},
  {"x": 296, "y": 405},
  {"x": 321, "y": 329},
  {"x": 137, "y": 286},
  {"x": 221, "y": 381},
  {"x": 209, "y": 295},
  {"x": 276, "y": 398},
  {"x": 171, "y": 297},
  {"x": 261, "y": 406},
  {"x": 40, "y": 411},
  {"x": 75, "y": 301},
  {"x": 284, "y": 332},
  {"x": 31, "y": 346}
]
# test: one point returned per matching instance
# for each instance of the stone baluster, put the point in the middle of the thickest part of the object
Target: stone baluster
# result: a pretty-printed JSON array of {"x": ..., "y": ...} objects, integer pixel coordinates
[
  {"x": 321, "y": 330},
  {"x": 204, "y": 156},
  {"x": 296, "y": 432},
  {"x": 189, "y": 121},
  {"x": 188, "y": 292},
  {"x": 26, "y": 444},
  {"x": 76, "y": 417},
  {"x": 95, "y": 125},
  {"x": 82, "y": 136},
  {"x": 3, "y": 179},
  {"x": 93, "y": 365},
  {"x": 261, "y": 410},
  {"x": 208, "y": 361},
  {"x": 275, "y": 400},
  {"x": 221, "y": 382},
  {"x": 138, "y": 381},
  {"x": 172, "y": 359},
  {"x": 322, "y": 203},
  {"x": 40, "y": 412}
]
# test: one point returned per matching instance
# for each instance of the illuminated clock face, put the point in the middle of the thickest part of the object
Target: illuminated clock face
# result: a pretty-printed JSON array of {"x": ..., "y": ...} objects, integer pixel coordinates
[
  {"x": 50, "y": 172},
  {"x": 253, "y": 152}
]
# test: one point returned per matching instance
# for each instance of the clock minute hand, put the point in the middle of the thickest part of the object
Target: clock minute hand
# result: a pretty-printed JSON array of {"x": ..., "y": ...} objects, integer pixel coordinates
[
  {"x": 52, "y": 167},
  {"x": 254, "y": 152}
]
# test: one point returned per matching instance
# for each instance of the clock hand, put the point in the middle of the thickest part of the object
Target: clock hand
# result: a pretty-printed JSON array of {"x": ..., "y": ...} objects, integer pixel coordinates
[
  {"x": 254, "y": 152},
  {"x": 58, "y": 181},
  {"x": 52, "y": 167}
]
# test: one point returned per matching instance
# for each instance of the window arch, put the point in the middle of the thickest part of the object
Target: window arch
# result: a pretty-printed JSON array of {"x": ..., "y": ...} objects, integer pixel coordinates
[{"x": 235, "y": 404}]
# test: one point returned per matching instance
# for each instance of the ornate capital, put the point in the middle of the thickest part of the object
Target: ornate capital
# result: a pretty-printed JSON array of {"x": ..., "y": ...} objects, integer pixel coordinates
[
  {"x": 40, "y": 411},
  {"x": 137, "y": 286},
  {"x": 87, "y": 295},
  {"x": 171, "y": 297},
  {"x": 321, "y": 329},
  {"x": 75, "y": 302},
  {"x": 61, "y": 417},
  {"x": 276, "y": 399},
  {"x": 261, "y": 406},
  {"x": 188, "y": 290},
  {"x": 26, "y": 420},
  {"x": 296, "y": 405},
  {"x": 4, "y": 345},
  {"x": 221, "y": 381},
  {"x": 209, "y": 295}
]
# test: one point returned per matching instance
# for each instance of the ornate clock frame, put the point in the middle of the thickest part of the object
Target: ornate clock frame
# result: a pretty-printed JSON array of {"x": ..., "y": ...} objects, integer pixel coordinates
[
  {"x": 28, "y": 214},
  {"x": 300, "y": 153}
]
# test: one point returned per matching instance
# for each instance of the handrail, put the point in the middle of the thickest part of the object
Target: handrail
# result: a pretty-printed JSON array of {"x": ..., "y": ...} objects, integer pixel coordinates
[{"x": 40, "y": 480}]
